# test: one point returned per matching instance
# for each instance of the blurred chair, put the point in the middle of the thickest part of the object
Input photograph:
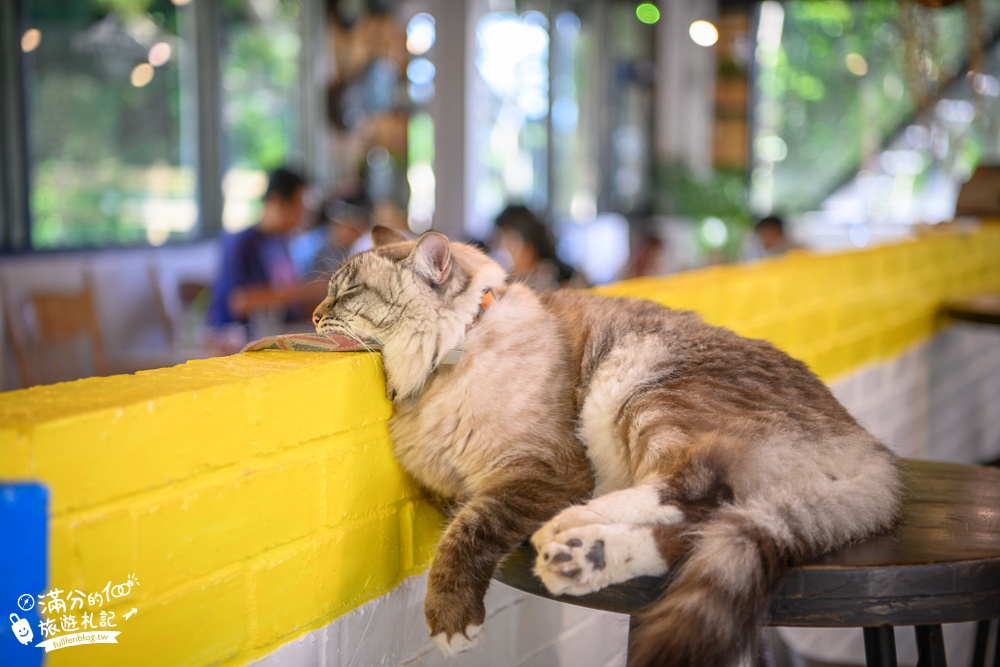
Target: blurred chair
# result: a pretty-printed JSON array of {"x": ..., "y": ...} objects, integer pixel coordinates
[
  {"x": 54, "y": 334},
  {"x": 181, "y": 308}
]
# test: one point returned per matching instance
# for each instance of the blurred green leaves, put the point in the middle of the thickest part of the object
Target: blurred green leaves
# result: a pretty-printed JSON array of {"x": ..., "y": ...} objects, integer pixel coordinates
[{"x": 832, "y": 117}]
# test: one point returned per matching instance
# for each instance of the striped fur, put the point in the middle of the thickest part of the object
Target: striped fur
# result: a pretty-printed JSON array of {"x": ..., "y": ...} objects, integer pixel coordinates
[{"x": 713, "y": 456}]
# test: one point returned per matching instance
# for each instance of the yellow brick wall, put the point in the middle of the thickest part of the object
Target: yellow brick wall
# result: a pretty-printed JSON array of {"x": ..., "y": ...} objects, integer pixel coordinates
[
  {"x": 255, "y": 497},
  {"x": 839, "y": 311}
]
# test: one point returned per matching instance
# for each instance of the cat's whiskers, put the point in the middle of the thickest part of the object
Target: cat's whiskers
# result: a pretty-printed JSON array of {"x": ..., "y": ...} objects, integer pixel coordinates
[{"x": 363, "y": 343}]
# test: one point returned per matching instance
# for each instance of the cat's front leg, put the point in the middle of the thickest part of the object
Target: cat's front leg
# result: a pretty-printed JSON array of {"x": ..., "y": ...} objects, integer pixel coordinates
[{"x": 487, "y": 529}]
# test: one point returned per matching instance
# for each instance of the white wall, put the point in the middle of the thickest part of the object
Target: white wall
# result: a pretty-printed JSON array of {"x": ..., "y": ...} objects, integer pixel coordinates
[{"x": 520, "y": 630}]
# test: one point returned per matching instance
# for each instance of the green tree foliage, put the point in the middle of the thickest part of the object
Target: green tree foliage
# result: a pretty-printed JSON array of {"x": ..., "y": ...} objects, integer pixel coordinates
[{"x": 834, "y": 91}]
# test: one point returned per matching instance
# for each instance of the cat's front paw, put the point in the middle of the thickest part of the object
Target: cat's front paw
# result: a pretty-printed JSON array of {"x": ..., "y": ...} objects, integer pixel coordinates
[
  {"x": 587, "y": 558},
  {"x": 454, "y": 620}
]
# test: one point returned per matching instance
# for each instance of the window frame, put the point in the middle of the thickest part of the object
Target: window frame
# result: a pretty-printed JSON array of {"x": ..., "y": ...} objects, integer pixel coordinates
[{"x": 15, "y": 180}]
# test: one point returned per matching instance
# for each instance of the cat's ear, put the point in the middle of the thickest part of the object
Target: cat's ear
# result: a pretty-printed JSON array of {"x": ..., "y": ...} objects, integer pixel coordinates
[
  {"x": 384, "y": 236},
  {"x": 431, "y": 257}
]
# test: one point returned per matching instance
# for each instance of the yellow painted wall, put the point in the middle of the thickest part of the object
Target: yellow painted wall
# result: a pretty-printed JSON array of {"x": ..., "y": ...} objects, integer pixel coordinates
[
  {"x": 255, "y": 497},
  {"x": 838, "y": 311}
]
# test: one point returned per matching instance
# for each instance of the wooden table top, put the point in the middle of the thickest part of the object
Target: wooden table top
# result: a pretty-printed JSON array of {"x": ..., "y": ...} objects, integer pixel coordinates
[
  {"x": 982, "y": 308},
  {"x": 941, "y": 564}
]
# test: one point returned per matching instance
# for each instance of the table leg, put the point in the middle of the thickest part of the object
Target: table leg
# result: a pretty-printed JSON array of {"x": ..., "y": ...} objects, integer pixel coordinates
[
  {"x": 880, "y": 646},
  {"x": 633, "y": 623},
  {"x": 996, "y": 646},
  {"x": 982, "y": 638},
  {"x": 930, "y": 646}
]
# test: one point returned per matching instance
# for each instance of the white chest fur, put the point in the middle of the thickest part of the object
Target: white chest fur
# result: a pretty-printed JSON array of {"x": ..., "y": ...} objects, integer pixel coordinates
[{"x": 476, "y": 415}]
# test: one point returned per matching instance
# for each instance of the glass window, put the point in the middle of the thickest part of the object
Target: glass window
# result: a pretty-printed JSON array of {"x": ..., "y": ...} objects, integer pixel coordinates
[
  {"x": 832, "y": 85},
  {"x": 631, "y": 104},
  {"x": 109, "y": 147},
  {"x": 575, "y": 181},
  {"x": 261, "y": 50},
  {"x": 509, "y": 108},
  {"x": 421, "y": 33}
]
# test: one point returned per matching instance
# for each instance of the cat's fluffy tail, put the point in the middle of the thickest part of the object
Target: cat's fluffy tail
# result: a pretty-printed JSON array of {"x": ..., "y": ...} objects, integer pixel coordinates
[
  {"x": 720, "y": 596},
  {"x": 711, "y": 612},
  {"x": 732, "y": 562}
]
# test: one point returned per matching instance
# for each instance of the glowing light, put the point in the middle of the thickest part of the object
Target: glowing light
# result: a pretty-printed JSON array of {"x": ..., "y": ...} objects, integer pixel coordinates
[
  {"x": 181, "y": 3},
  {"x": 420, "y": 34},
  {"x": 159, "y": 54},
  {"x": 714, "y": 232},
  {"x": 142, "y": 74},
  {"x": 420, "y": 71},
  {"x": 421, "y": 207},
  {"x": 771, "y": 147},
  {"x": 859, "y": 235},
  {"x": 647, "y": 13},
  {"x": 30, "y": 40},
  {"x": 703, "y": 33},
  {"x": 856, "y": 64}
]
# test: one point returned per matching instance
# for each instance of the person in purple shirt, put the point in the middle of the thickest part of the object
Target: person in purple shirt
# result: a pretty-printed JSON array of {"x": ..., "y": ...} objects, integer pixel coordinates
[{"x": 256, "y": 272}]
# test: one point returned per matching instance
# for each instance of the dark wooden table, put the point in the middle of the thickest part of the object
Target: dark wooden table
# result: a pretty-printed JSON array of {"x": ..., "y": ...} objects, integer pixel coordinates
[
  {"x": 982, "y": 308},
  {"x": 940, "y": 565}
]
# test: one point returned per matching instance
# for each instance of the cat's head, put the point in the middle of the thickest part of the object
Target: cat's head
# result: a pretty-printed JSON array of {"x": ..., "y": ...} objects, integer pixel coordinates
[{"x": 416, "y": 298}]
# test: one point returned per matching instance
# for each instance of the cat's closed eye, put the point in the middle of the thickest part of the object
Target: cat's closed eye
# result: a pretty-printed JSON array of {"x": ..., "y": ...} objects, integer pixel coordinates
[{"x": 349, "y": 291}]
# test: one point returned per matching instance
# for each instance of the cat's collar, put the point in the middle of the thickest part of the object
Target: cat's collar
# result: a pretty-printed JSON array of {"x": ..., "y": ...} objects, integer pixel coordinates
[{"x": 488, "y": 299}]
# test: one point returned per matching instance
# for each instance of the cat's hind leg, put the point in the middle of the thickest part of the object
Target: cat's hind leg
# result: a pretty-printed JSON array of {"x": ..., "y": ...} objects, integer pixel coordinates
[
  {"x": 585, "y": 559},
  {"x": 612, "y": 538},
  {"x": 648, "y": 503},
  {"x": 636, "y": 531}
]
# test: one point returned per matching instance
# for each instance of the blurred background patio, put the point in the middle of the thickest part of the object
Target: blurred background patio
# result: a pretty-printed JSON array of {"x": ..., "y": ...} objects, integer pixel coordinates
[{"x": 648, "y": 138}]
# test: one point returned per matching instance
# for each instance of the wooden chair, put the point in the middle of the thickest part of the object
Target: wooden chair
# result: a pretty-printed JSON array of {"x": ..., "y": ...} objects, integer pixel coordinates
[
  {"x": 54, "y": 334},
  {"x": 181, "y": 312},
  {"x": 941, "y": 564}
]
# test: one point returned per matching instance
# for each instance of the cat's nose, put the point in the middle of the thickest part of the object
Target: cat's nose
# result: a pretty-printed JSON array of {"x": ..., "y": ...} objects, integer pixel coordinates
[{"x": 322, "y": 309}]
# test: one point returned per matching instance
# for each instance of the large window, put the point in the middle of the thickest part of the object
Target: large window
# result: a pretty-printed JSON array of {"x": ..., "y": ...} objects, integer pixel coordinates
[
  {"x": 105, "y": 106},
  {"x": 260, "y": 78},
  {"x": 510, "y": 110},
  {"x": 561, "y": 112},
  {"x": 133, "y": 120},
  {"x": 833, "y": 85}
]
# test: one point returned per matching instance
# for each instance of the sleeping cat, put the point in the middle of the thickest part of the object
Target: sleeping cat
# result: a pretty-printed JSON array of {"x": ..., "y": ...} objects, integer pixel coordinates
[{"x": 629, "y": 439}]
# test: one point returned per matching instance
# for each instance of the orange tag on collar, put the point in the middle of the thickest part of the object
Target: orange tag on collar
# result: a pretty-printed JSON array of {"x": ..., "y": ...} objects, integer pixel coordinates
[{"x": 489, "y": 298}]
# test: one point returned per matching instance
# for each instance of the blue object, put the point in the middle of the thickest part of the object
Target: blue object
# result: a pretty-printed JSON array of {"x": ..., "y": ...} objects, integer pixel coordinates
[{"x": 24, "y": 554}]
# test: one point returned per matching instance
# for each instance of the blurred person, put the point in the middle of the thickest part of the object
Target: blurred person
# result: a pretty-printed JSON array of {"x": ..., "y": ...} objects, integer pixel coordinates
[
  {"x": 768, "y": 239},
  {"x": 258, "y": 288},
  {"x": 344, "y": 230},
  {"x": 646, "y": 256},
  {"x": 527, "y": 248}
]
